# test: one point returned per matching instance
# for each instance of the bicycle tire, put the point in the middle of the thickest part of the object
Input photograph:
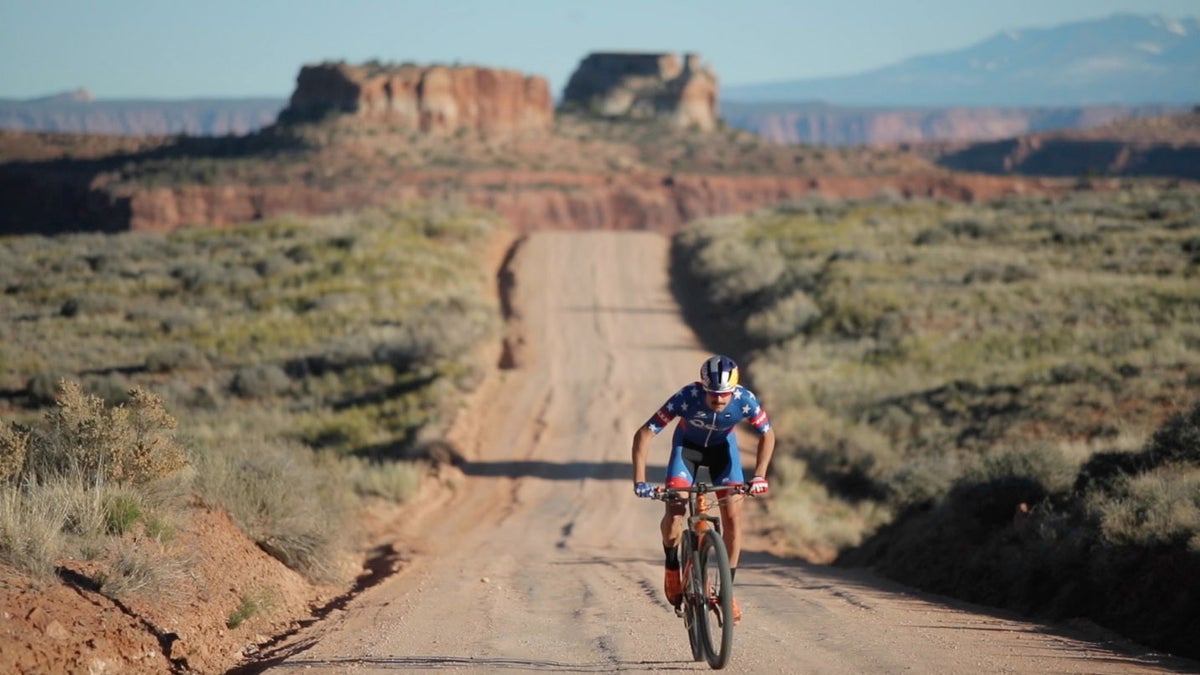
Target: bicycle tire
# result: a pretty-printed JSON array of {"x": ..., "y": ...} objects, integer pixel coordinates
[
  {"x": 691, "y": 613},
  {"x": 716, "y": 610}
]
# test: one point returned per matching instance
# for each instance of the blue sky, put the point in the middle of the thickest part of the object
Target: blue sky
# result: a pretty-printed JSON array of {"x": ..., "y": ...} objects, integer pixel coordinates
[{"x": 174, "y": 49}]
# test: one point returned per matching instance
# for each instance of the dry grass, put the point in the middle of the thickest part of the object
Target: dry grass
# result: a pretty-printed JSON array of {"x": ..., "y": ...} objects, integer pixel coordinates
[{"x": 288, "y": 353}]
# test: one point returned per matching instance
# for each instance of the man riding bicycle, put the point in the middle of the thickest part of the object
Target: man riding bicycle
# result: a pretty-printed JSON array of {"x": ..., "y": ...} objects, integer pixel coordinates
[{"x": 708, "y": 412}]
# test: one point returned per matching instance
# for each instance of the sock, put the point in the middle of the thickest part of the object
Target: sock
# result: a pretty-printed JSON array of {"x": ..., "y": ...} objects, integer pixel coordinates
[
  {"x": 732, "y": 573},
  {"x": 672, "y": 554}
]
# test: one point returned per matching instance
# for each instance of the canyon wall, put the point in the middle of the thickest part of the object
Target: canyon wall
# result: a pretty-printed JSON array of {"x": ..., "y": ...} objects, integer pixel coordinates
[{"x": 570, "y": 201}]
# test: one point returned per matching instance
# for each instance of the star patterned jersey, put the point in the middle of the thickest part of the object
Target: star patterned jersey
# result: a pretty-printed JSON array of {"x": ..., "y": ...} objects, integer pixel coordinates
[{"x": 701, "y": 426}]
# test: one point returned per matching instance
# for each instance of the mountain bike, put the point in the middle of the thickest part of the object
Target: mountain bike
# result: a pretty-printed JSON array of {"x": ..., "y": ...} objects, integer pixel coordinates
[{"x": 707, "y": 607}]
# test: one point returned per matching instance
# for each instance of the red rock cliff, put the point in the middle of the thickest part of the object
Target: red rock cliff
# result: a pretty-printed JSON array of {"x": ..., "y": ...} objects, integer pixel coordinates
[
  {"x": 435, "y": 99},
  {"x": 557, "y": 200},
  {"x": 642, "y": 86}
]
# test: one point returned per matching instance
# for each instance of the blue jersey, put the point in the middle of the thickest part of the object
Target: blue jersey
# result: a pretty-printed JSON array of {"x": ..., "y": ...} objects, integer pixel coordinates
[{"x": 699, "y": 425}]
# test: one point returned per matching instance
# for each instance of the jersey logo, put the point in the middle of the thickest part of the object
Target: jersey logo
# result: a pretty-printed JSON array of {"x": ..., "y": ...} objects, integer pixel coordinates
[{"x": 700, "y": 423}]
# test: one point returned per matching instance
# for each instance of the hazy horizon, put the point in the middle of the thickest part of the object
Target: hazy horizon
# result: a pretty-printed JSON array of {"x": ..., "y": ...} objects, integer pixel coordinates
[{"x": 139, "y": 49}]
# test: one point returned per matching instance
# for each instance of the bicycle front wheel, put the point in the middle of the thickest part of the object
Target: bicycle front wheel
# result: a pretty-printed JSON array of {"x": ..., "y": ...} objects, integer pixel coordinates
[
  {"x": 716, "y": 613},
  {"x": 691, "y": 596}
]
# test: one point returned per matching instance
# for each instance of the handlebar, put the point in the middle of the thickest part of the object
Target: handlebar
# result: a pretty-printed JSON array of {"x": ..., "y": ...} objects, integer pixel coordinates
[{"x": 672, "y": 494}]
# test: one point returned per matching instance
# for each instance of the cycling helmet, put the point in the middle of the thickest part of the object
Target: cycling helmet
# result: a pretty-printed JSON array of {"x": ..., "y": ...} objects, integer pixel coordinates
[{"x": 719, "y": 374}]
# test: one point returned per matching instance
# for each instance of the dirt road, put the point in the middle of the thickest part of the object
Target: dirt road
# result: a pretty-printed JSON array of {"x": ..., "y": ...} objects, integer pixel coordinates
[{"x": 540, "y": 559}]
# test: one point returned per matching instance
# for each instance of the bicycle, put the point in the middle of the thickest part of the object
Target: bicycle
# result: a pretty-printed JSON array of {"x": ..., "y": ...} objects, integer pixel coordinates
[{"x": 707, "y": 607}]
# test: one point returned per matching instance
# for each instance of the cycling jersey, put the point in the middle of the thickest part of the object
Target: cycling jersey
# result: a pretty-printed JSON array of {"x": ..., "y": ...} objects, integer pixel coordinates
[
  {"x": 699, "y": 425},
  {"x": 704, "y": 437}
]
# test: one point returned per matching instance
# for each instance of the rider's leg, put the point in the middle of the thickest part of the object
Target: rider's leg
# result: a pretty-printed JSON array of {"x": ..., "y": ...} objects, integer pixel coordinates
[
  {"x": 731, "y": 523},
  {"x": 672, "y": 530},
  {"x": 672, "y": 524},
  {"x": 731, "y": 528},
  {"x": 728, "y": 471},
  {"x": 679, "y": 474}
]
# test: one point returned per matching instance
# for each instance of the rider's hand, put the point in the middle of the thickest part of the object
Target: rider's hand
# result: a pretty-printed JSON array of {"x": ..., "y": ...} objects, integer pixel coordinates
[
  {"x": 759, "y": 486},
  {"x": 643, "y": 489}
]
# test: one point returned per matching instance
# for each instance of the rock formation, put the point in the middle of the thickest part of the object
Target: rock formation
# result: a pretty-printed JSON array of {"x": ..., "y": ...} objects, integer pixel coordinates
[
  {"x": 433, "y": 99},
  {"x": 645, "y": 86}
]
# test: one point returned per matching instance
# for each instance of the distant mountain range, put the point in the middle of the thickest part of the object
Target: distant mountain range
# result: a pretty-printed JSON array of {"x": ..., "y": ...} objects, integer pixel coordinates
[
  {"x": 1124, "y": 59},
  {"x": 77, "y": 111},
  {"x": 824, "y": 124}
]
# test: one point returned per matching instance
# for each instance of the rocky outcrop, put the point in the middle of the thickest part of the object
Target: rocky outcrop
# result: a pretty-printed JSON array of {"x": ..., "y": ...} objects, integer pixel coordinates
[
  {"x": 1079, "y": 158},
  {"x": 431, "y": 99},
  {"x": 645, "y": 86},
  {"x": 1158, "y": 146}
]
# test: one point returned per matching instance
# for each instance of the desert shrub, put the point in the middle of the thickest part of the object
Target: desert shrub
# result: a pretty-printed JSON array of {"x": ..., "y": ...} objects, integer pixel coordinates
[
  {"x": 1178, "y": 440},
  {"x": 342, "y": 431},
  {"x": 196, "y": 277},
  {"x": 85, "y": 477},
  {"x": 42, "y": 388},
  {"x": 789, "y": 316},
  {"x": 89, "y": 304},
  {"x": 1159, "y": 507},
  {"x": 111, "y": 388},
  {"x": 142, "y": 567},
  {"x": 292, "y": 502},
  {"x": 932, "y": 237},
  {"x": 14, "y": 447},
  {"x": 259, "y": 381},
  {"x": 131, "y": 443},
  {"x": 273, "y": 265},
  {"x": 730, "y": 266},
  {"x": 396, "y": 481},
  {"x": 122, "y": 511},
  {"x": 921, "y": 482},
  {"x": 1103, "y": 471},
  {"x": 171, "y": 358},
  {"x": 1040, "y": 463}
]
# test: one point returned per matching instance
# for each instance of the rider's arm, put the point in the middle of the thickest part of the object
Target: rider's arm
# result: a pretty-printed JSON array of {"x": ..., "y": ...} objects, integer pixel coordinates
[
  {"x": 641, "y": 445},
  {"x": 766, "y": 448}
]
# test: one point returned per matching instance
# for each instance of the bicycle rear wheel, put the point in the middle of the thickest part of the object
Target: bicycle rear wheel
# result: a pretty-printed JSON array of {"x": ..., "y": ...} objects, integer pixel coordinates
[{"x": 716, "y": 612}]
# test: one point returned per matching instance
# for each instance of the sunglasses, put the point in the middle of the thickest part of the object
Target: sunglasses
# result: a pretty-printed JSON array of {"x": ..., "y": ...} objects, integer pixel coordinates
[{"x": 718, "y": 395}]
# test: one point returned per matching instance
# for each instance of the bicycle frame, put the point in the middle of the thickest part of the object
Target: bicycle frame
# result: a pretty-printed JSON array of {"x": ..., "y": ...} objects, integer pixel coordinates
[{"x": 707, "y": 601}]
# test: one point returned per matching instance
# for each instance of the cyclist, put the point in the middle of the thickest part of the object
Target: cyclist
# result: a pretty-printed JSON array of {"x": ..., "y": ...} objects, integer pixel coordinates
[{"x": 708, "y": 412}]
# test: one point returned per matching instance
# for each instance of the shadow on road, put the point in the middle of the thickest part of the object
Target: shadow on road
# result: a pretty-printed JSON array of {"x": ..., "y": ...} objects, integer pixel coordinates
[
  {"x": 590, "y": 309},
  {"x": 490, "y": 664},
  {"x": 862, "y": 588},
  {"x": 556, "y": 470}
]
